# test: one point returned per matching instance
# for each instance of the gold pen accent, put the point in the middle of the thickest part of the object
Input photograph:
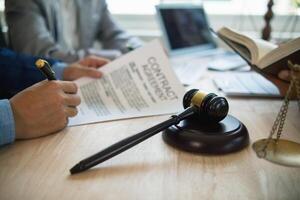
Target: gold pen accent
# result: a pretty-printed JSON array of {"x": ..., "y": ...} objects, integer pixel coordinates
[{"x": 45, "y": 67}]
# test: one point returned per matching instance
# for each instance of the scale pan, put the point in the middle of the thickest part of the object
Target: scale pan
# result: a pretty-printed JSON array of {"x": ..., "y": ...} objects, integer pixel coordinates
[{"x": 284, "y": 152}]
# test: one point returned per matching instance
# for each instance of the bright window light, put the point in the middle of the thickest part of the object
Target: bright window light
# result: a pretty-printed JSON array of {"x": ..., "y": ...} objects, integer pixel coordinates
[
  {"x": 140, "y": 7},
  {"x": 246, "y": 7}
]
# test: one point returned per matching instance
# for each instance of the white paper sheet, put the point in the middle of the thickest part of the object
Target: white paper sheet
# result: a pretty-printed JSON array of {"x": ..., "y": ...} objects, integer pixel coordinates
[{"x": 140, "y": 83}]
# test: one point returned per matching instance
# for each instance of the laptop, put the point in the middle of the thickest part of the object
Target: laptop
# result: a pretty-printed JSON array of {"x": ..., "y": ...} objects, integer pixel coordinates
[
  {"x": 185, "y": 28},
  {"x": 192, "y": 50},
  {"x": 188, "y": 40}
]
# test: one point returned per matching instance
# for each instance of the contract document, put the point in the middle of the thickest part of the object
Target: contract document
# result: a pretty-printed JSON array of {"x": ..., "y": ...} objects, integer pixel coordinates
[{"x": 140, "y": 83}]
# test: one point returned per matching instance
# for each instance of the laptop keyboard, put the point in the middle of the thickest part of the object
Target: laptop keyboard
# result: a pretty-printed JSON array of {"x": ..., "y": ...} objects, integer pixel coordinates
[
  {"x": 190, "y": 67},
  {"x": 246, "y": 84},
  {"x": 189, "y": 71}
]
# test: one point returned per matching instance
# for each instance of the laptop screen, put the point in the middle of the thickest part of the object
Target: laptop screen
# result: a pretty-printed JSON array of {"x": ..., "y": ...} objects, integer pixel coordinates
[{"x": 185, "y": 27}]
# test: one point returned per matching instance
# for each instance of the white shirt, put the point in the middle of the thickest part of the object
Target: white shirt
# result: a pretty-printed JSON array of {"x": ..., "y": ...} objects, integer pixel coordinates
[{"x": 70, "y": 24}]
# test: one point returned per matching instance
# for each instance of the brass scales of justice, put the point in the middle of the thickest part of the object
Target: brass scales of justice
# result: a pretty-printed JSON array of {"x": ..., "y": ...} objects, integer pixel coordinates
[{"x": 274, "y": 149}]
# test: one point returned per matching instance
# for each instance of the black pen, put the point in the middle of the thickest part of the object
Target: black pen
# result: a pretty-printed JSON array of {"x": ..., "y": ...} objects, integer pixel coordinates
[
  {"x": 128, "y": 142},
  {"x": 119, "y": 147},
  {"x": 44, "y": 66}
]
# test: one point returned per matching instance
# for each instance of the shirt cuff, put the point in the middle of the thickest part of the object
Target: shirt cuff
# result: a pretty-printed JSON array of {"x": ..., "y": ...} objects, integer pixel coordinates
[
  {"x": 7, "y": 123},
  {"x": 58, "y": 69}
]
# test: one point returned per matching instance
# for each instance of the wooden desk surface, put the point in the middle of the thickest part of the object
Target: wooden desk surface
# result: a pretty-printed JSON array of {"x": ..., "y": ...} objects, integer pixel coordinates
[{"x": 39, "y": 168}]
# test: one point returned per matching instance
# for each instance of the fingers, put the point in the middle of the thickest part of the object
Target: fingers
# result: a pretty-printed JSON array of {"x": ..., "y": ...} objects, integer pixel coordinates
[
  {"x": 89, "y": 72},
  {"x": 74, "y": 72},
  {"x": 68, "y": 87},
  {"x": 93, "y": 61},
  {"x": 285, "y": 75},
  {"x": 97, "y": 61},
  {"x": 72, "y": 100}
]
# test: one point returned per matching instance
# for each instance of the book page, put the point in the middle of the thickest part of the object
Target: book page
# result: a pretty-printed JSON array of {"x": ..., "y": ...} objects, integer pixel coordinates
[
  {"x": 140, "y": 83},
  {"x": 240, "y": 49},
  {"x": 282, "y": 51},
  {"x": 242, "y": 44},
  {"x": 264, "y": 47},
  {"x": 252, "y": 50}
]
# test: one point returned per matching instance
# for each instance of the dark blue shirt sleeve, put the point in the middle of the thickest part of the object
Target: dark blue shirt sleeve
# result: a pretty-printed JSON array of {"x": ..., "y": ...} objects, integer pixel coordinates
[{"x": 17, "y": 72}]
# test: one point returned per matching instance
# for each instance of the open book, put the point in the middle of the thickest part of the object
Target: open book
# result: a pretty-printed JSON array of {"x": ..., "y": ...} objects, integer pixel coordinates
[{"x": 263, "y": 56}]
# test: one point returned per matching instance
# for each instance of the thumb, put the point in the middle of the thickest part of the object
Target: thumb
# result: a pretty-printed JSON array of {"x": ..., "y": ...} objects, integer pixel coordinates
[{"x": 285, "y": 75}]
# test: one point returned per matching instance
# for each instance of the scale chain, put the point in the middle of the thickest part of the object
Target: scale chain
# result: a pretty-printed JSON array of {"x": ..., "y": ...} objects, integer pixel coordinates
[
  {"x": 297, "y": 81},
  {"x": 281, "y": 117}
]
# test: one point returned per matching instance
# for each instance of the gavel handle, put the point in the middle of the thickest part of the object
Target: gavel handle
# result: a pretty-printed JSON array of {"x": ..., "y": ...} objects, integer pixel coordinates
[{"x": 131, "y": 141}]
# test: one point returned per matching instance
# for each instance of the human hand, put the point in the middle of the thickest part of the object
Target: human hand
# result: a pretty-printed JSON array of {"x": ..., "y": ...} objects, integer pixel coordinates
[
  {"x": 43, "y": 108},
  {"x": 85, "y": 67},
  {"x": 285, "y": 75}
]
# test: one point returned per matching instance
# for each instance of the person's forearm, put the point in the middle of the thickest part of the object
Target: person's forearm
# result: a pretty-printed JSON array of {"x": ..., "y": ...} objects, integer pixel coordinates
[{"x": 7, "y": 125}]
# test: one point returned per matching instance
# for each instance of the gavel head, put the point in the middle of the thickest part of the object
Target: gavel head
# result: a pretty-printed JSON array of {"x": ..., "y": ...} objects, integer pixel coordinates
[{"x": 208, "y": 106}]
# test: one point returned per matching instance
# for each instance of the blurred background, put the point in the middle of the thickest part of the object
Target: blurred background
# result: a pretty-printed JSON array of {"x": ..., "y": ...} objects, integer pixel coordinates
[
  {"x": 138, "y": 17},
  {"x": 245, "y": 15}
]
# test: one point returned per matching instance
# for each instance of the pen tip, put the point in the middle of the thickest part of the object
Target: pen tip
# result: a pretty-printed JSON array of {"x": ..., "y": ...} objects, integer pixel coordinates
[
  {"x": 76, "y": 169},
  {"x": 79, "y": 167}
]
